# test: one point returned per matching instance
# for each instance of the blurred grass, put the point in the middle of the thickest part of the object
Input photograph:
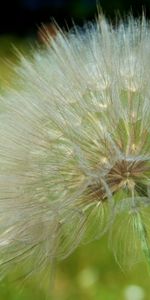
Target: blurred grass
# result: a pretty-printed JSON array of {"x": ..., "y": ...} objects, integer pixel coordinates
[
  {"x": 91, "y": 272},
  {"x": 9, "y": 45}
]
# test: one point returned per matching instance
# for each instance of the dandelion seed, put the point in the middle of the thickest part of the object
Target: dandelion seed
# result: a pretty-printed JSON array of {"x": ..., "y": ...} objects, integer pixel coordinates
[{"x": 75, "y": 148}]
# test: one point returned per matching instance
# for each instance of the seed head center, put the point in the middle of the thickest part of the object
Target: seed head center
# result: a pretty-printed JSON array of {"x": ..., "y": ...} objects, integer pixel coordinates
[{"x": 123, "y": 174}]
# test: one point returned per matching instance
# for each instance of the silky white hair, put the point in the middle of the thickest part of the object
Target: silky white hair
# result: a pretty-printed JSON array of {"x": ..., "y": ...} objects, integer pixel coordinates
[{"x": 75, "y": 147}]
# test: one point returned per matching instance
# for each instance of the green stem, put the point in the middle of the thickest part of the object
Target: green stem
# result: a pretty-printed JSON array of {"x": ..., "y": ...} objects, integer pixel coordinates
[{"x": 143, "y": 237}]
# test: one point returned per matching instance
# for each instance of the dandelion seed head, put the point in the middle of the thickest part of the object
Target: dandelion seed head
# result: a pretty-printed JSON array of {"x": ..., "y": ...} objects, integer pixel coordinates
[{"x": 75, "y": 147}]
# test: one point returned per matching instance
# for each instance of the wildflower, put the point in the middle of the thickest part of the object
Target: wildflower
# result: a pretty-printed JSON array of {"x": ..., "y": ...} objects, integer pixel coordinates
[{"x": 75, "y": 147}]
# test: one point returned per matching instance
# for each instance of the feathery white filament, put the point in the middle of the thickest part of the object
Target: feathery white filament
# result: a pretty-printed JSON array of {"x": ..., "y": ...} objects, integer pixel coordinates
[{"x": 75, "y": 146}]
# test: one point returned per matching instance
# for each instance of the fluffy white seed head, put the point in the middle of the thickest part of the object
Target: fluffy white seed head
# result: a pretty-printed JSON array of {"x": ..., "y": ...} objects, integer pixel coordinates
[{"x": 75, "y": 147}]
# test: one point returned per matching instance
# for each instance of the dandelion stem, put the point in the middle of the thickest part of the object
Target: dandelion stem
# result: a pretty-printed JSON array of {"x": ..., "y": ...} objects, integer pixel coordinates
[{"x": 143, "y": 237}]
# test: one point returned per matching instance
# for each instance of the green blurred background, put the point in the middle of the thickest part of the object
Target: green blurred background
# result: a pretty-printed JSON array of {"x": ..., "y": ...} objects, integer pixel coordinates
[{"x": 91, "y": 272}]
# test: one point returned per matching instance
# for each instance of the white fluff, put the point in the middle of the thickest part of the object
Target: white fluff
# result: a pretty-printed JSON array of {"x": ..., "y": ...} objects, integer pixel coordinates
[{"x": 75, "y": 147}]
